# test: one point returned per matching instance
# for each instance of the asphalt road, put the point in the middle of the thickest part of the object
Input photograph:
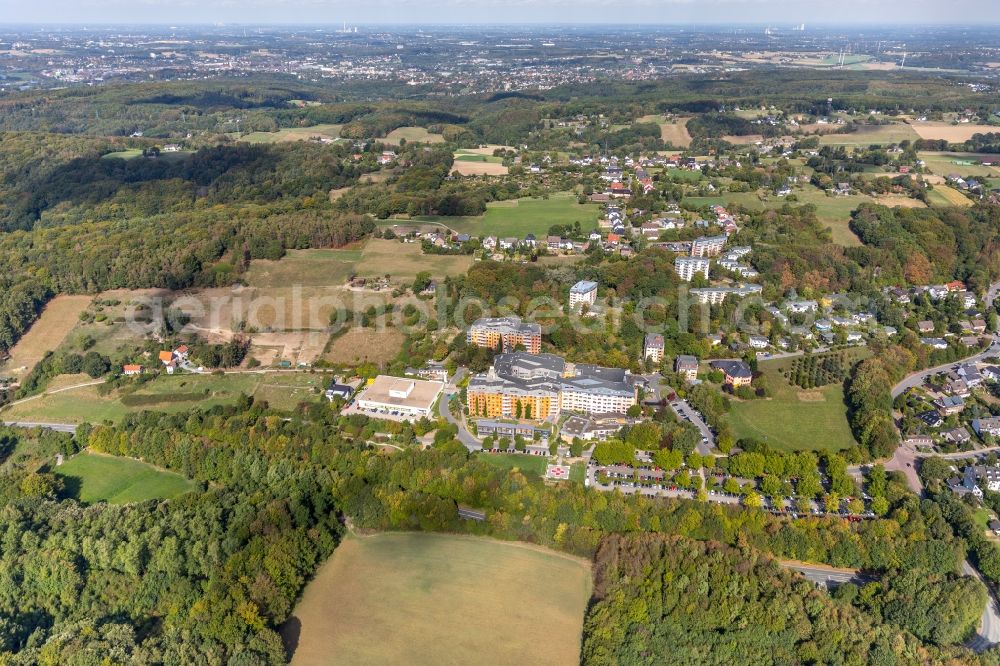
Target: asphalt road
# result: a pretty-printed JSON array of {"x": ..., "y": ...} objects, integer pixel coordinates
[
  {"x": 917, "y": 378},
  {"x": 57, "y": 427},
  {"x": 828, "y": 576},
  {"x": 450, "y": 391},
  {"x": 989, "y": 624}
]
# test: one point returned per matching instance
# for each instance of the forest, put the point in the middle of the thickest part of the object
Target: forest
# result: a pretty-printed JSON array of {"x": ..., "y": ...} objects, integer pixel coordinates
[
  {"x": 214, "y": 573},
  {"x": 689, "y": 601}
]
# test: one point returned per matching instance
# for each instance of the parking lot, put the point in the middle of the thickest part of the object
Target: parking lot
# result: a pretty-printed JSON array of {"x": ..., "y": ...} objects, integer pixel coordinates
[{"x": 384, "y": 414}]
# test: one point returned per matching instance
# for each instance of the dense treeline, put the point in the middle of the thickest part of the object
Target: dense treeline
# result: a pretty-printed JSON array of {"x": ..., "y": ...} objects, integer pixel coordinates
[
  {"x": 921, "y": 246},
  {"x": 942, "y": 610},
  {"x": 869, "y": 398},
  {"x": 689, "y": 602},
  {"x": 92, "y": 188},
  {"x": 420, "y": 489},
  {"x": 214, "y": 572},
  {"x": 78, "y": 222}
]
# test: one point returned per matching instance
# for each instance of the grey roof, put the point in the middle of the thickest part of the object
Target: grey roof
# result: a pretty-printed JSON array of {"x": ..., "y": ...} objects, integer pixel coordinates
[
  {"x": 653, "y": 341},
  {"x": 583, "y": 287},
  {"x": 527, "y": 366},
  {"x": 737, "y": 369},
  {"x": 687, "y": 361}
]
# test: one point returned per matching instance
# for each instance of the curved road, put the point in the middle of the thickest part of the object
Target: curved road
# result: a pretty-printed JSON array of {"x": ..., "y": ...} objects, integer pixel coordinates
[
  {"x": 905, "y": 461},
  {"x": 450, "y": 392},
  {"x": 917, "y": 378}
]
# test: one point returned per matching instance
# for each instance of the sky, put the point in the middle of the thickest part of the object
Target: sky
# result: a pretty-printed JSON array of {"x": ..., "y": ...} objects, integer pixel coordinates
[{"x": 976, "y": 12}]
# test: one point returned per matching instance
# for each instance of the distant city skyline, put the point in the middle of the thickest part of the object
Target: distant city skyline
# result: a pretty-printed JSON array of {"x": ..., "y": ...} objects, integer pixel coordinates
[{"x": 662, "y": 12}]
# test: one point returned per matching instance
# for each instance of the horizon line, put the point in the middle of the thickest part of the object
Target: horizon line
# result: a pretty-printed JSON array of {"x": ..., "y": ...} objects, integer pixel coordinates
[{"x": 596, "y": 22}]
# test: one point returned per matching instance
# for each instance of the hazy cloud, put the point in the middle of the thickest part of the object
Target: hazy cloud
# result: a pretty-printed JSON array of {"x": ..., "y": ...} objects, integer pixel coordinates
[{"x": 499, "y": 11}]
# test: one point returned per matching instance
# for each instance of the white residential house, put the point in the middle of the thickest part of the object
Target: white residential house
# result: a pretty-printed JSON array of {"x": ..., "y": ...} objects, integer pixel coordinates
[
  {"x": 583, "y": 293},
  {"x": 652, "y": 348},
  {"x": 800, "y": 307}
]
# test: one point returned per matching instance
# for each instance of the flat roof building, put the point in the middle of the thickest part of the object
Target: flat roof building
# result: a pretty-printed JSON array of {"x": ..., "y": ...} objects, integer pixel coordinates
[
  {"x": 583, "y": 293},
  {"x": 409, "y": 397},
  {"x": 505, "y": 333},
  {"x": 688, "y": 267}
]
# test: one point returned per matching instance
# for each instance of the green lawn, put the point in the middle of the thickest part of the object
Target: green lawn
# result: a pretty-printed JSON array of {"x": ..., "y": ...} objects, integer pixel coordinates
[
  {"x": 167, "y": 393},
  {"x": 530, "y": 465},
  {"x": 832, "y": 211},
  {"x": 871, "y": 134},
  {"x": 435, "y": 599},
  {"x": 794, "y": 419},
  {"x": 944, "y": 164},
  {"x": 412, "y": 134},
  {"x": 133, "y": 153},
  {"x": 91, "y": 477},
  {"x": 523, "y": 216},
  {"x": 468, "y": 156},
  {"x": 686, "y": 175},
  {"x": 328, "y": 131}
]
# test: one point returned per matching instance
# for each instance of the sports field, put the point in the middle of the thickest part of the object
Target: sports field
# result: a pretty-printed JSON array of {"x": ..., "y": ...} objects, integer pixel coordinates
[
  {"x": 58, "y": 318},
  {"x": 794, "y": 419},
  {"x": 519, "y": 217},
  {"x": 436, "y": 599},
  {"x": 93, "y": 477}
]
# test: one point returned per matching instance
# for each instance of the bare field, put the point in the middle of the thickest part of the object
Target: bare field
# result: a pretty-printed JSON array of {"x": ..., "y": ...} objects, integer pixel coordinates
[
  {"x": 402, "y": 261},
  {"x": 465, "y": 168},
  {"x": 58, "y": 318},
  {"x": 871, "y": 134},
  {"x": 413, "y": 134},
  {"x": 292, "y": 346},
  {"x": 400, "y": 598},
  {"x": 284, "y": 323},
  {"x": 948, "y": 196},
  {"x": 487, "y": 150},
  {"x": 366, "y": 345},
  {"x": 308, "y": 268},
  {"x": 899, "y": 201},
  {"x": 948, "y": 132},
  {"x": 673, "y": 131},
  {"x": 743, "y": 140}
]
